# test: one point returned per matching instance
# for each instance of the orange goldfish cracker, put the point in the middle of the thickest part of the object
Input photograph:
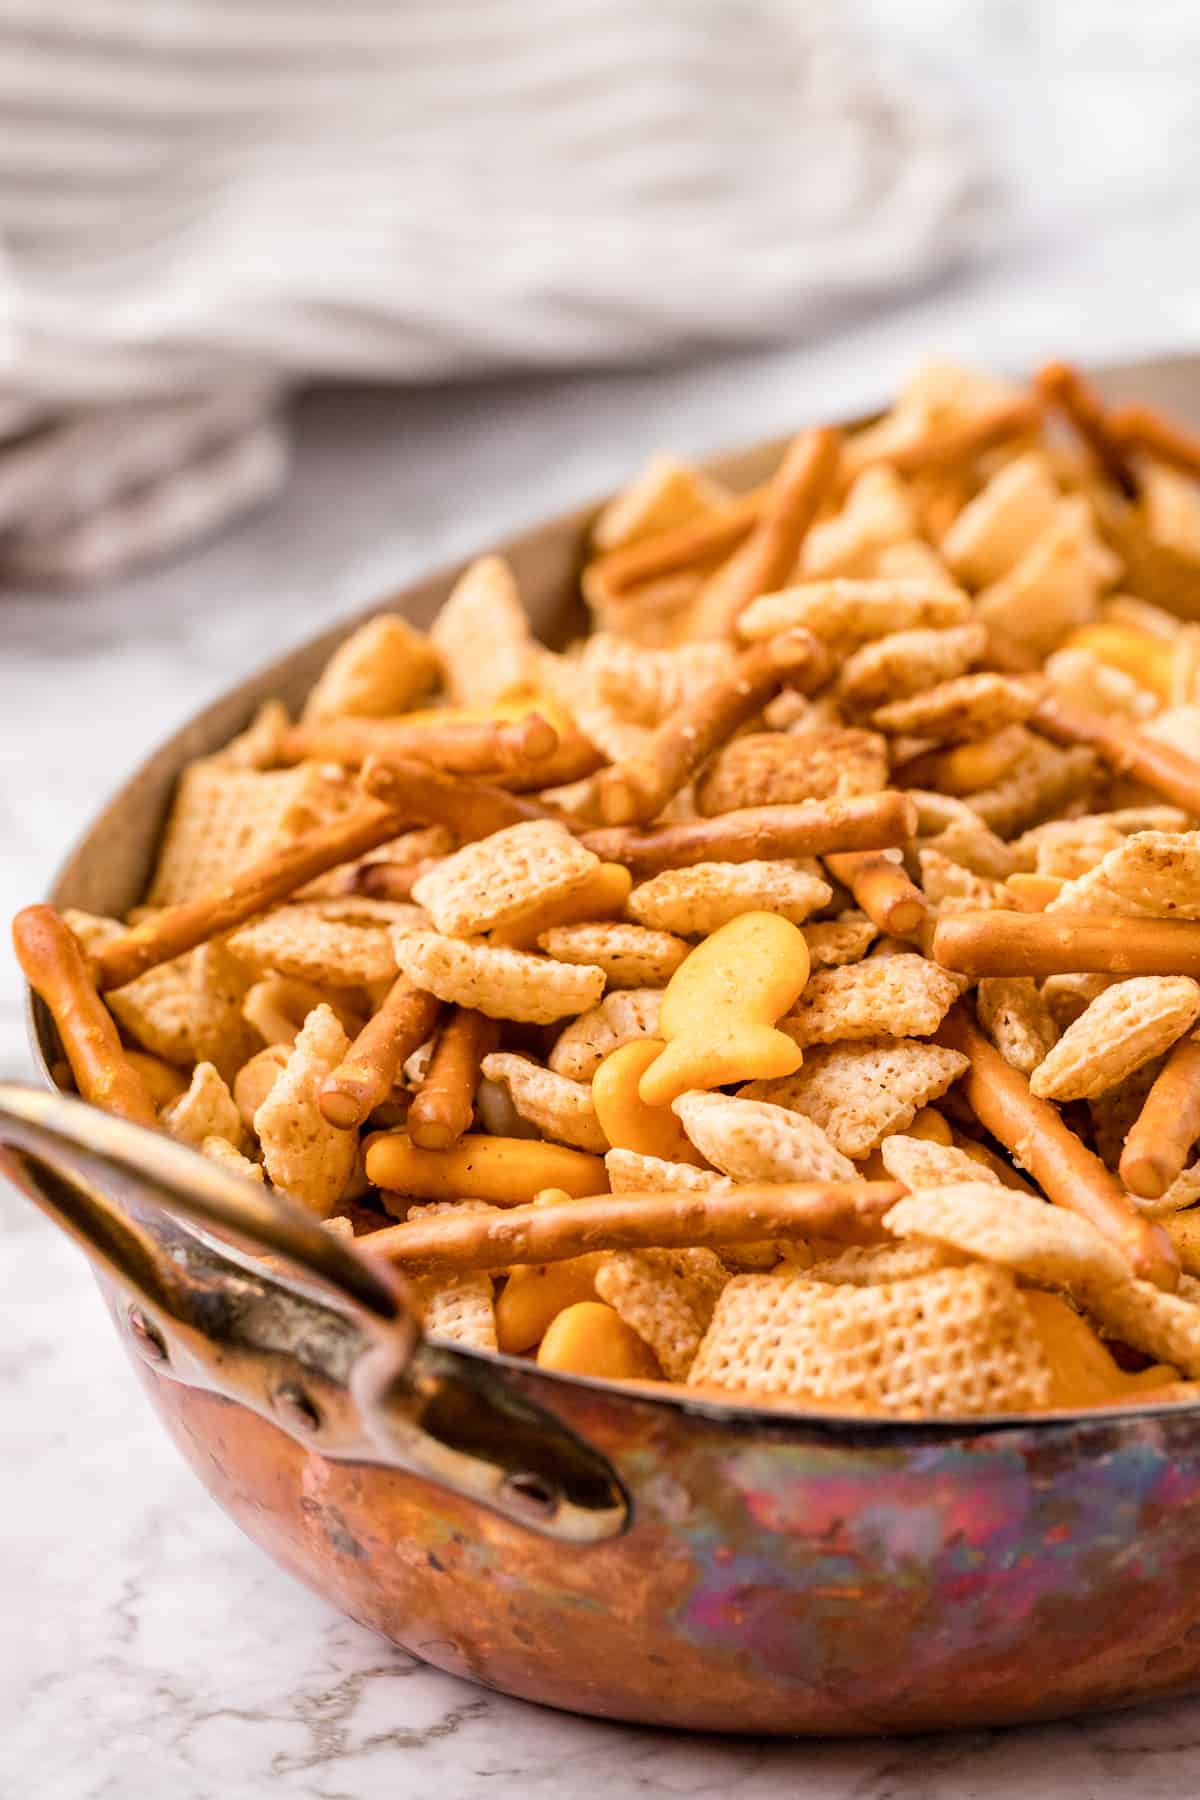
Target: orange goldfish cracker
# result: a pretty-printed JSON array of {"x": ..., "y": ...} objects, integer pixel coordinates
[
  {"x": 625, "y": 1119},
  {"x": 1139, "y": 654},
  {"x": 600, "y": 894},
  {"x": 535, "y": 1294},
  {"x": 1082, "y": 1369},
  {"x": 719, "y": 1010},
  {"x": 590, "y": 1338},
  {"x": 506, "y": 1171},
  {"x": 1030, "y": 893}
]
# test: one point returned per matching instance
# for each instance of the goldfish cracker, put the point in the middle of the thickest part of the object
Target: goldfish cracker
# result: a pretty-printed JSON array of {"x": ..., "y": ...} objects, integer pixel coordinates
[
  {"x": 1140, "y": 654},
  {"x": 930, "y": 1125},
  {"x": 600, "y": 895},
  {"x": 535, "y": 1294},
  {"x": 590, "y": 1338},
  {"x": 506, "y": 1171},
  {"x": 1031, "y": 893},
  {"x": 625, "y": 1119},
  {"x": 719, "y": 1009},
  {"x": 1084, "y": 1372}
]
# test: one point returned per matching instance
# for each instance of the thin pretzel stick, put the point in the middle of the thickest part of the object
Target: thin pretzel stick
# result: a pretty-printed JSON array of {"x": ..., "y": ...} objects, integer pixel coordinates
[
  {"x": 178, "y": 928},
  {"x": 1064, "y": 1169},
  {"x": 634, "y": 791},
  {"x": 54, "y": 966},
  {"x": 365, "y": 1076},
  {"x": 1162, "y": 1135},
  {"x": 811, "y": 828},
  {"x": 697, "y": 540},
  {"x": 944, "y": 444},
  {"x": 1124, "y": 749},
  {"x": 1144, "y": 428},
  {"x": 1037, "y": 943},
  {"x": 445, "y": 1103},
  {"x": 880, "y": 886},
  {"x": 850, "y": 1211},
  {"x": 768, "y": 556},
  {"x": 1062, "y": 385},
  {"x": 420, "y": 795},
  {"x": 459, "y": 747}
]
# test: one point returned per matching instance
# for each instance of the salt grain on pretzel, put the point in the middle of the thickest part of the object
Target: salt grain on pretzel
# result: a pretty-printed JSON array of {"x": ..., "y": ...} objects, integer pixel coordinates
[
  {"x": 1041, "y": 1143},
  {"x": 848, "y": 1211},
  {"x": 636, "y": 791}
]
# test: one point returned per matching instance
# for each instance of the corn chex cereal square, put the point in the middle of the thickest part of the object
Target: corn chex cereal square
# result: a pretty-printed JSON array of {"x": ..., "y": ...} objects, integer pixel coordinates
[
  {"x": 693, "y": 902},
  {"x": 921, "y": 1163},
  {"x": 667, "y": 1297},
  {"x": 222, "y": 819},
  {"x": 957, "y": 1341},
  {"x": 1123, "y": 1028},
  {"x": 482, "y": 636},
  {"x": 228, "y": 1157},
  {"x": 206, "y": 1110},
  {"x": 667, "y": 492},
  {"x": 582, "y": 1045},
  {"x": 303, "y": 1153},
  {"x": 751, "y": 1140},
  {"x": 849, "y": 613},
  {"x": 1044, "y": 780},
  {"x": 293, "y": 940},
  {"x": 504, "y": 984},
  {"x": 773, "y": 768},
  {"x": 497, "y": 879},
  {"x": 1016, "y": 1017},
  {"x": 871, "y": 1265},
  {"x": 219, "y": 1031},
  {"x": 907, "y": 662},
  {"x": 1041, "y": 1243},
  {"x": 560, "y": 1108},
  {"x": 1163, "y": 1326},
  {"x": 382, "y": 668},
  {"x": 859, "y": 1093},
  {"x": 969, "y": 706},
  {"x": 833, "y": 942},
  {"x": 630, "y": 1172},
  {"x": 892, "y": 996},
  {"x": 632, "y": 956},
  {"x": 457, "y": 1308}
]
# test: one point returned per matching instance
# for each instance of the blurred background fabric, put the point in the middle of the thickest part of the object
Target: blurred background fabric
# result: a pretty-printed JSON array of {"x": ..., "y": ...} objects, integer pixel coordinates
[{"x": 203, "y": 202}]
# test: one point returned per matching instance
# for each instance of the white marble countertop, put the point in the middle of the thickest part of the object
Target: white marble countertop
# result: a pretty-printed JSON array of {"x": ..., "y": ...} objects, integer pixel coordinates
[{"x": 148, "y": 1648}]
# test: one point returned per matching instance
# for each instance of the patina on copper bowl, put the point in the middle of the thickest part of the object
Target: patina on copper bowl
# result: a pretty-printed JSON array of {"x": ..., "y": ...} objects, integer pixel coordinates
[{"x": 600, "y": 1549}]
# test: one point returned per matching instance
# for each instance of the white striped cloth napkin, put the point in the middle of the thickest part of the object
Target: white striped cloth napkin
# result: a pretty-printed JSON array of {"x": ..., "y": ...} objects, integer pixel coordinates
[{"x": 202, "y": 201}]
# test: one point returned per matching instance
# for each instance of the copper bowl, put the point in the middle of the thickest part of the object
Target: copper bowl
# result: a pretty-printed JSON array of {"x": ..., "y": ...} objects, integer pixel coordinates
[{"x": 608, "y": 1551}]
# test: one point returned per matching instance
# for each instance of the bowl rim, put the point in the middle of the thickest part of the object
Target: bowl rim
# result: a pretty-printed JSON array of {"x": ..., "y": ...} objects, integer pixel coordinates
[{"x": 866, "y": 1430}]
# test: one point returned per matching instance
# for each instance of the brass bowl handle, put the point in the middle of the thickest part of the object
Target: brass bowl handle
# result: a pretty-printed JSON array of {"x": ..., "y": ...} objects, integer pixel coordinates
[{"x": 355, "y": 1380}]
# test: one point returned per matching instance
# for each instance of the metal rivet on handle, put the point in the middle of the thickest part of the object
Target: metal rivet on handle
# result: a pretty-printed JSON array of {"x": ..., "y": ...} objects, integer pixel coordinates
[
  {"x": 146, "y": 1336},
  {"x": 532, "y": 1494},
  {"x": 295, "y": 1408}
]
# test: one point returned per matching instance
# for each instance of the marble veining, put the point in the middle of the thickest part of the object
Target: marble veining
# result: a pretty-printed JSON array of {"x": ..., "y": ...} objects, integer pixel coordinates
[{"x": 148, "y": 1649}]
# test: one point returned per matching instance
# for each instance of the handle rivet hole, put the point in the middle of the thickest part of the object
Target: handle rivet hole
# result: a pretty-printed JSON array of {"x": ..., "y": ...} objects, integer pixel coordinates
[
  {"x": 295, "y": 1408},
  {"x": 146, "y": 1337},
  {"x": 533, "y": 1494}
]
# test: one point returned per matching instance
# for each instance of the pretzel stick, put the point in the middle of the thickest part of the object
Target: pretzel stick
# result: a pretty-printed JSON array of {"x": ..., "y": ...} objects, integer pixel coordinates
[
  {"x": 695, "y": 541},
  {"x": 54, "y": 966},
  {"x": 1064, "y": 1169},
  {"x": 850, "y": 1211},
  {"x": 1062, "y": 385},
  {"x": 1160, "y": 1138},
  {"x": 1144, "y": 428},
  {"x": 944, "y": 444},
  {"x": 636, "y": 790},
  {"x": 419, "y": 795},
  {"x": 1125, "y": 750},
  {"x": 880, "y": 886},
  {"x": 812, "y": 827},
  {"x": 365, "y": 1076},
  {"x": 445, "y": 1103},
  {"x": 458, "y": 746},
  {"x": 1038, "y": 944},
  {"x": 768, "y": 556},
  {"x": 265, "y": 882}
]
